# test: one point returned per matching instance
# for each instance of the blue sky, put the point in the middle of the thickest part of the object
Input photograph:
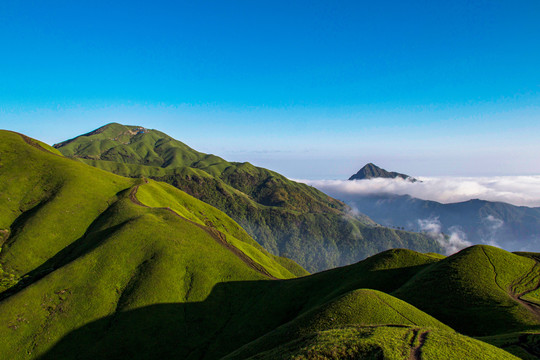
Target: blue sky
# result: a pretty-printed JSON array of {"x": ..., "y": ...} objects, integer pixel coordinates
[{"x": 311, "y": 89}]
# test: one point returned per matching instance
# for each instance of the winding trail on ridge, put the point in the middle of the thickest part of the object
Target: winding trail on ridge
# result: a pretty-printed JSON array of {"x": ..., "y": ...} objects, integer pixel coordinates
[
  {"x": 214, "y": 233},
  {"x": 416, "y": 351},
  {"x": 532, "y": 306}
]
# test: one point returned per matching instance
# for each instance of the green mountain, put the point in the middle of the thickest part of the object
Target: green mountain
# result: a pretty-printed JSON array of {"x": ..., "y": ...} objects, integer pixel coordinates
[
  {"x": 95, "y": 265},
  {"x": 371, "y": 171},
  {"x": 288, "y": 218},
  {"x": 81, "y": 244}
]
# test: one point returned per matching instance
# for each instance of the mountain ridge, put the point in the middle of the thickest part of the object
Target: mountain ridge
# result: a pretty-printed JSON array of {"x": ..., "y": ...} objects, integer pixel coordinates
[{"x": 288, "y": 218}]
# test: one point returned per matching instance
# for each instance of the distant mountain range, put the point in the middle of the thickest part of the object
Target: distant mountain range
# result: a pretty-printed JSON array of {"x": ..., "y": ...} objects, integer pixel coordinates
[
  {"x": 482, "y": 222},
  {"x": 287, "y": 218}
]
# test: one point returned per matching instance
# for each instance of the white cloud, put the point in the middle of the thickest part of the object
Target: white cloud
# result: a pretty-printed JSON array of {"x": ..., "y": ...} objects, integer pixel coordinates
[
  {"x": 517, "y": 190},
  {"x": 492, "y": 226},
  {"x": 494, "y": 223},
  {"x": 451, "y": 243}
]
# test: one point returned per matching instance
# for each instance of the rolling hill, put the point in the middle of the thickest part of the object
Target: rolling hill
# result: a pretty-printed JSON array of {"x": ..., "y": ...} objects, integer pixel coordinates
[
  {"x": 288, "y": 218},
  {"x": 95, "y": 265}
]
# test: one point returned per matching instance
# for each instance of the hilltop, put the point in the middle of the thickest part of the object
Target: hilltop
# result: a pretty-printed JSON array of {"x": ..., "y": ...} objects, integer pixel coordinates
[
  {"x": 287, "y": 218},
  {"x": 372, "y": 171}
]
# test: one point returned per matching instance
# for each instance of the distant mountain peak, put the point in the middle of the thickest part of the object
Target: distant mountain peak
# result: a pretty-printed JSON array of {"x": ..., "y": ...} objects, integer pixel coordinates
[{"x": 371, "y": 171}]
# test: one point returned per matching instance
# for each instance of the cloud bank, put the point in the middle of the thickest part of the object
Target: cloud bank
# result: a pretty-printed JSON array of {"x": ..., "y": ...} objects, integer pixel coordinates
[{"x": 516, "y": 190}]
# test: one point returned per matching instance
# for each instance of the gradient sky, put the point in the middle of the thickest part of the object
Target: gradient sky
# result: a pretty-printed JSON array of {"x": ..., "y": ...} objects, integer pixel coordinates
[{"x": 312, "y": 89}]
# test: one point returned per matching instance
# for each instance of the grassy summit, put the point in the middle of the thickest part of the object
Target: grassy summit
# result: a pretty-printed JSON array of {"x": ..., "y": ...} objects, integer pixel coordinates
[{"x": 288, "y": 218}]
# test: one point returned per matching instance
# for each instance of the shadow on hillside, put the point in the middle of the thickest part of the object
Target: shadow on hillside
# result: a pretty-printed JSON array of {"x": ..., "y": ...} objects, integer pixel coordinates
[
  {"x": 210, "y": 329},
  {"x": 89, "y": 241},
  {"x": 234, "y": 314}
]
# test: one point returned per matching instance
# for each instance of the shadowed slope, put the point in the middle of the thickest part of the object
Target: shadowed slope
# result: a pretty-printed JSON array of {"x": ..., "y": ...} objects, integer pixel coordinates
[
  {"x": 236, "y": 313},
  {"x": 360, "y": 307},
  {"x": 319, "y": 315}
]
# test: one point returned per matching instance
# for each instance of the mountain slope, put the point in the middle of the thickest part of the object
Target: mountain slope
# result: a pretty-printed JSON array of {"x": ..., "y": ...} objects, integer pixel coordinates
[
  {"x": 288, "y": 218},
  {"x": 479, "y": 291},
  {"x": 81, "y": 246},
  {"x": 333, "y": 312}
]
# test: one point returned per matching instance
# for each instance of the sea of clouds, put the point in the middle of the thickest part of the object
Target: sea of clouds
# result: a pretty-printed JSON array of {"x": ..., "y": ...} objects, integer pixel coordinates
[{"x": 516, "y": 190}]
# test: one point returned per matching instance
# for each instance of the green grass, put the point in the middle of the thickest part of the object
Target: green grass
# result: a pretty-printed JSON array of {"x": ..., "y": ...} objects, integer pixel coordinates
[
  {"x": 359, "y": 307},
  {"x": 525, "y": 344},
  {"x": 42, "y": 200},
  {"x": 86, "y": 251},
  {"x": 381, "y": 342},
  {"x": 471, "y": 291}
]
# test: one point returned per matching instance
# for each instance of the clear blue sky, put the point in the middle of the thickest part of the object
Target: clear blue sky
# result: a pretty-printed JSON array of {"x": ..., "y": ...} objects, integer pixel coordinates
[{"x": 312, "y": 89}]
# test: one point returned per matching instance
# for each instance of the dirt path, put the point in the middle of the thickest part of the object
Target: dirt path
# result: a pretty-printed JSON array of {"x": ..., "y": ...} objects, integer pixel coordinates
[
  {"x": 217, "y": 235},
  {"x": 494, "y": 270},
  {"x": 416, "y": 351},
  {"x": 4, "y": 234},
  {"x": 393, "y": 308},
  {"x": 533, "y": 307}
]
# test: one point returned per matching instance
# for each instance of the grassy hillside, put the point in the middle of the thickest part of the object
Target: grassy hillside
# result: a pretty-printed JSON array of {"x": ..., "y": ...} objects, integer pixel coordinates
[
  {"x": 478, "y": 291},
  {"x": 288, "y": 218},
  {"x": 329, "y": 315},
  {"x": 236, "y": 313},
  {"x": 382, "y": 342},
  {"x": 81, "y": 245},
  {"x": 362, "y": 307},
  {"x": 95, "y": 265}
]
